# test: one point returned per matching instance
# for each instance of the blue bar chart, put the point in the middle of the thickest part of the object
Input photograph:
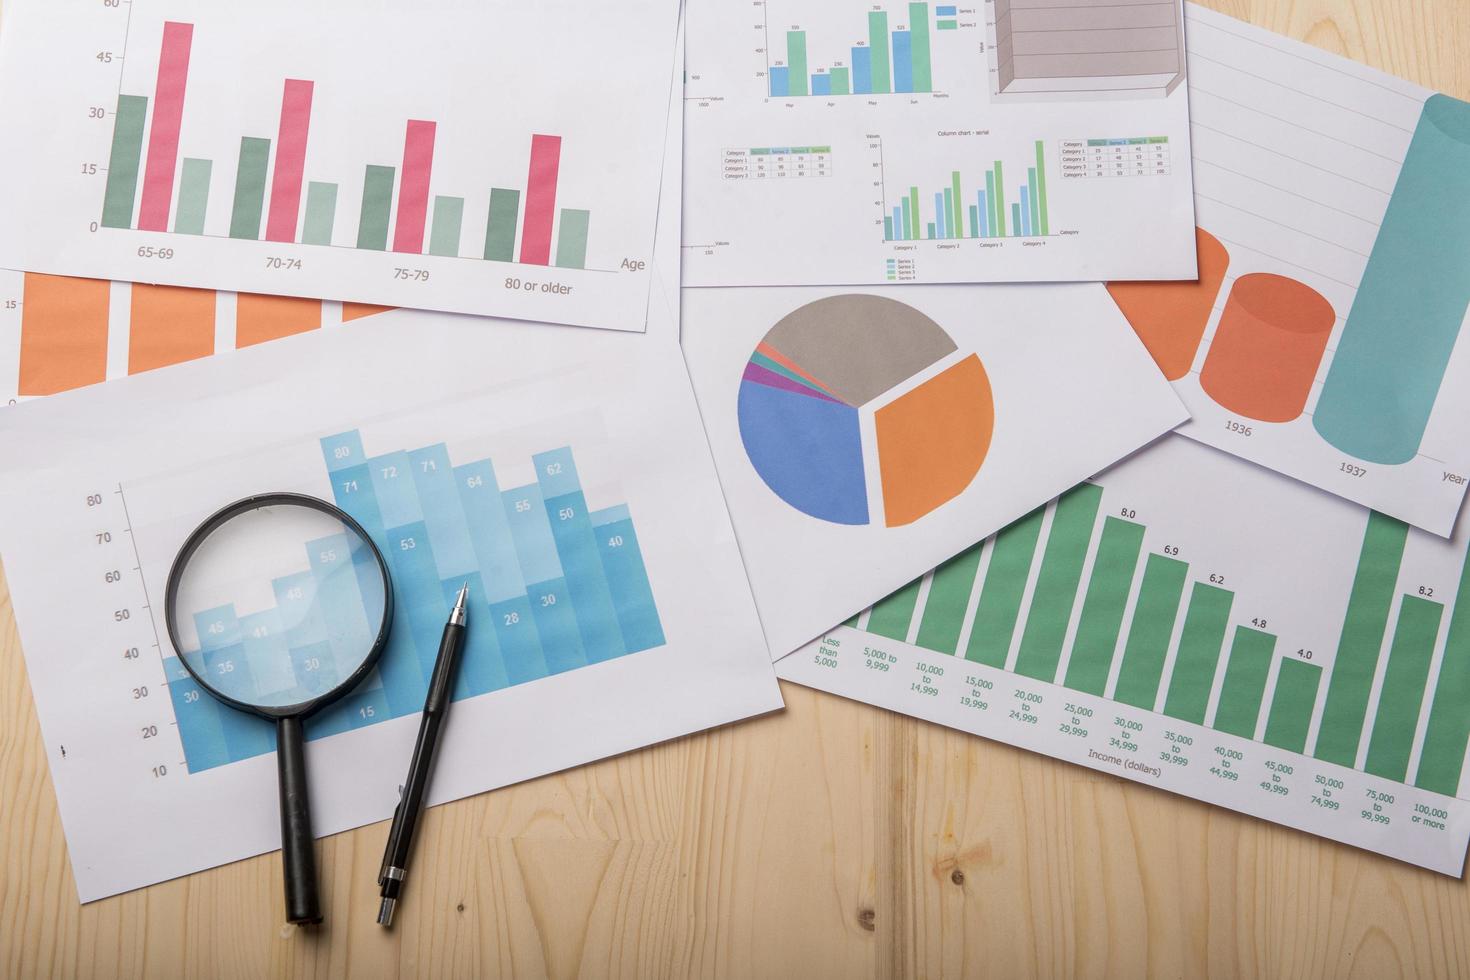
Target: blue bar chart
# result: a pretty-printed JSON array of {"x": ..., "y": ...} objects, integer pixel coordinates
[{"x": 554, "y": 586}]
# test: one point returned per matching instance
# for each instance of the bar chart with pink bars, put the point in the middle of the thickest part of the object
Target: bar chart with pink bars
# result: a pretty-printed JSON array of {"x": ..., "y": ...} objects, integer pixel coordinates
[{"x": 252, "y": 150}]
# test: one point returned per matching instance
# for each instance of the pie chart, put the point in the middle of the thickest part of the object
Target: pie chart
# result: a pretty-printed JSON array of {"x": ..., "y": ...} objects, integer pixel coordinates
[{"x": 843, "y": 366}]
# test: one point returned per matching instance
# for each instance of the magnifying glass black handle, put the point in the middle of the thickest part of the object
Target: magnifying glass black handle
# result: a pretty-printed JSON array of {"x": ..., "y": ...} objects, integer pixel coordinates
[{"x": 298, "y": 846}]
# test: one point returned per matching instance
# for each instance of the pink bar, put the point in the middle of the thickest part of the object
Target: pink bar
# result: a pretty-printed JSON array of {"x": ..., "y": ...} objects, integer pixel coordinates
[
  {"x": 540, "y": 200},
  {"x": 290, "y": 162},
  {"x": 163, "y": 138},
  {"x": 413, "y": 191}
]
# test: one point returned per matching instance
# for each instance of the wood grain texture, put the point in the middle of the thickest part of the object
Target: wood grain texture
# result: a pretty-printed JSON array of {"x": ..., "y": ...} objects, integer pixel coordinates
[{"x": 833, "y": 840}]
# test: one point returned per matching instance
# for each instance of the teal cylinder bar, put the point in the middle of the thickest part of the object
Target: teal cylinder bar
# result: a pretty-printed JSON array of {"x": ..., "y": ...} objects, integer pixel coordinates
[{"x": 1388, "y": 367}]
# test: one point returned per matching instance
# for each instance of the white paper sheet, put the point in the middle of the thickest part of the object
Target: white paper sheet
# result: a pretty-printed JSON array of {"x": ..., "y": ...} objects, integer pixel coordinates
[
  {"x": 1323, "y": 340},
  {"x": 1083, "y": 108},
  {"x": 250, "y": 133},
  {"x": 1215, "y": 630},
  {"x": 901, "y": 449}
]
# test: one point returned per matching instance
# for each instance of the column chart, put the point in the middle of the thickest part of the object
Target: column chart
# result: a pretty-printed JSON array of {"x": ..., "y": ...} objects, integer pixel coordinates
[
  {"x": 1190, "y": 626},
  {"x": 249, "y": 149},
  {"x": 554, "y": 586}
]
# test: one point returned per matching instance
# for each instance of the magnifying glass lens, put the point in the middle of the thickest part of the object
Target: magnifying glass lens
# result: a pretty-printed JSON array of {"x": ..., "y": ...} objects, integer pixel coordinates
[{"x": 278, "y": 606}]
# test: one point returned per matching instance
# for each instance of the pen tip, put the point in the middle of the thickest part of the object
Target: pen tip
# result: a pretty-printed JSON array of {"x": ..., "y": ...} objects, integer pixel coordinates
[{"x": 464, "y": 591}]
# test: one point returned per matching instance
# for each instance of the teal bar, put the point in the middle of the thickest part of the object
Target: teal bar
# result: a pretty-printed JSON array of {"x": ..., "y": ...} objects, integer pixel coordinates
[
  {"x": 193, "y": 197},
  {"x": 1390, "y": 362},
  {"x": 878, "y": 44},
  {"x": 377, "y": 205},
  {"x": 124, "y": 163},
  {"x": 1401, "y": 699},
  {"x": 571, "y": 239},
  {"x": 255, "y": 155},
  {"x": 1056, "y": 583},
  {"x": 321, "y": 214},
  {"x": 448, "y": 222},
  {"x": 1199, "y": 653},
  {"x": 500, "y": 232},
  {"x": 1245, "y": 682}
]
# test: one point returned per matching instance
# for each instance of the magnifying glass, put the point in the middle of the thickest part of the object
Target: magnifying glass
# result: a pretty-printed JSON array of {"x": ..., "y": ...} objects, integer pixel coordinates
[{"x": 279, "y": 604}]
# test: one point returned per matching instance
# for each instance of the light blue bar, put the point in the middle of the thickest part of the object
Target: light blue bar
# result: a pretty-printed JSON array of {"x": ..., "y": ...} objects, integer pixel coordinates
[
  {"x": 263, "y": 642},
  {"x": 419, "y": 592},
  {"x": 352, "y": 488},
  {"x": 900, "y": 230},
  {"x": 350, "y": 627},
  {"x": 525, "y": 512},
  {"x": 903, "y": 62},
  {"x": 433, "y": 479},
  {"x": 495, "y": 551},
  {"x": 984, "y": 214},
  {"x": 576, "y": 545},
  {"x": 310, "y": 655},
  {"x": 198, "y": 717},
  {"x": 944, "y": 11},
  {"x": 627, "y": 577},
  {"x": 780, "y": 83},
  {"x": 822, "y": 84},
  {"x": 862, "y": 71},
  {"x": 939, "y": 214},
  {"x": 617, "y": 512},
  {"x": 1025, "y": 211},
  {"x": 245, "y": 734},
  {"x": 398, "y": 502},
  {"x": 1391, "y": 360}
]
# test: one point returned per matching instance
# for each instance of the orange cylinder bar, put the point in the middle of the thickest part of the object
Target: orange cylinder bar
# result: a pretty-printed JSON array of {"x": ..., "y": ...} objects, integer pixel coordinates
[
  {"x": 1268, "y": 347},
  {"x": 63, "y": 333},
  {"x": 1170, "y": 317},
  {"x": 260, "y": 318},
  {"x": 169, "y": 325}
]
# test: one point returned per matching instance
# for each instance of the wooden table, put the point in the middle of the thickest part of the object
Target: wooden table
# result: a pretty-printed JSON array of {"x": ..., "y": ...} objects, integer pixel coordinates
[{"x": 833, "y": 840}]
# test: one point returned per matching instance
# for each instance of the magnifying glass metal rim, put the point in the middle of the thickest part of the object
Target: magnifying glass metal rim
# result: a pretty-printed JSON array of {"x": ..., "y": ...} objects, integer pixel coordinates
[{"x": 217, "y": 520}]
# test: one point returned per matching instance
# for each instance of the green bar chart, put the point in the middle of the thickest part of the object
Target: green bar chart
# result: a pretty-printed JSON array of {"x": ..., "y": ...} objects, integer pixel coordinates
[{"x": 1316, "y": 677}]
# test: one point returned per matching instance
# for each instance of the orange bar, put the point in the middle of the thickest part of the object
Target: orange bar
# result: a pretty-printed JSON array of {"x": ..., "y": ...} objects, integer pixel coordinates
[
  {"x": 356, "y": 311},
  {"x": 932, "y": 440},
  {"x": 1268, "y": 347},
  {"x": 1170, "y": 317},
  {"x": 63, "y": 333},
  {"x": 170, "y": 325},
  {"x": 260, "y": 318}
]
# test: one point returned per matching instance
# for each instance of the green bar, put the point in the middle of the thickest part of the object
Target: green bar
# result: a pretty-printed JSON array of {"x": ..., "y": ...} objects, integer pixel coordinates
[
  {"x": 321, "y": 214},
  {"x": 919, "y": 42},
  {"x": 853, "y": 621},
  {"x": 1402, "y": 697},
  {"x": 1016, "y": 218},
  {"x": 125, "y": 161},
  {"x": 1056, "y": 583},
  {"x": 840, "y": 83},
  {"x": 377, "y": 204},
  {"x": 957, "y": 208},
  {"x": 891, "y": 616},
  {"x": 1245, "y": 682},
  {"x": 1199, "y": 653},
  {"x": 949, "y": 597},
  {"x": 1443, "y": 755},
  {"x": 1104, "y": 605},
  {"x": 193, "y": 196},
  {"x": 1292, "y": 704},
  {"x": 914, "y": 216},
  {"x": 1000, "y": 596},
  {"x": 888, "y": 228},
  {"x": 448, "y": 222},
  {"x": 1362, "y": 639},
  {"x": 947, "y": 25},
  {"x": 500, "y": 232},
  {"x": 933, "y": 232},
  {"x": 974, "y": 221},
  {"x": 255, "y": 156},
  {"x": 878, "y": 44},
  {"x": 1148, "y": 636},
  {"x": 1034, "y": 204},
  {"x": 1041, "y": 185},
  {"x": 998, "y": 229},
  {"x": 571, "y": 239},
  {"x": 796, "y": 78}
]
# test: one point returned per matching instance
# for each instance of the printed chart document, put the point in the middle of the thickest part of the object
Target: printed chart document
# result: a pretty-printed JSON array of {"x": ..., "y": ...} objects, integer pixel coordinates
[
  {"x": 992, "y": 141},
  {"x": 864, "y": 437},
  {"x": 1322, "y": 338},
  {"x": 562, "y": 472},
  {"x": 425, "y": 155},
  {"x": 1205, "y": 627}
]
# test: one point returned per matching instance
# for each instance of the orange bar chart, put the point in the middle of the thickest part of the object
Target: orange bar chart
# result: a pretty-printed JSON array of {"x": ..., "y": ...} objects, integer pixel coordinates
[
  {"x": 63, "y": 333},
  {"x": 932, "y": 441},
  {"x": 1170, "y": 317},
  {"x": 259, "y": 318},
  {"x": 1268, "y": 347},
  {"x": 169, "y": 325}
]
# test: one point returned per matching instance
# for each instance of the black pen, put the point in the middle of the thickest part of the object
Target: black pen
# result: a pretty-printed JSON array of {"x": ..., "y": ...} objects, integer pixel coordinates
[{"x": 436, "y": 706}]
